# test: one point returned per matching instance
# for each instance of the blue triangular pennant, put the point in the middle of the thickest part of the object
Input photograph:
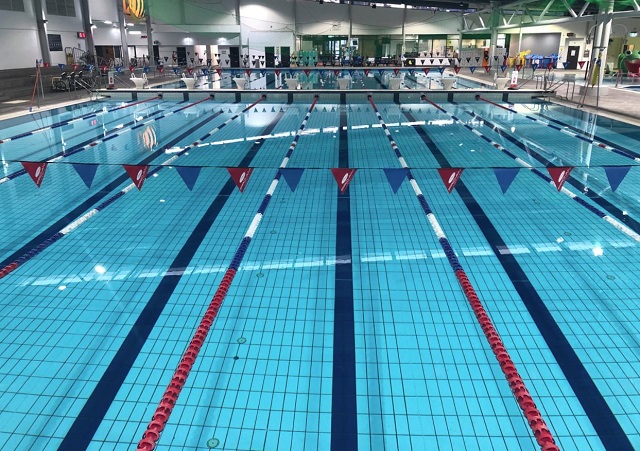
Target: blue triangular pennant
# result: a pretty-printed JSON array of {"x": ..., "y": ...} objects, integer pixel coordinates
[
  {"x": 472, "y": 69},
  {"x": 534, "y": 66},
  {"x": 381, "y": 72},
  {"x": 503, "y": 68},
  {"x": 323, "y": 73},
  {"x": 351, "y": 72},
  {"x": 86, "y": 172},
  {"x": 565, "y": 64},
  {"x": 176, "y": 70},
  {"x": 395, "y": 177},
  {"x": 412, "y": 72},
  {"x": 292, "y": 176},
  {"x": 292, "y": 73},
  {"x": 189, "y": 175},
  {"x": 263, "y": 72},
  {"x": 615, "y": 175},
  {"x": 505, "y": 177},
  {"x": 441, "y": 70}
]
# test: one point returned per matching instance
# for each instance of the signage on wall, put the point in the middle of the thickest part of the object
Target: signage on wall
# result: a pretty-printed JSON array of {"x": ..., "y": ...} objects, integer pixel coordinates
[{"x": 55, "y": 42}]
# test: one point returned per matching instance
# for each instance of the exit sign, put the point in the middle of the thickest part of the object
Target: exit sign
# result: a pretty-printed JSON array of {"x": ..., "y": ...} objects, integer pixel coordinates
[
  {"x": 143, "y": 37},
  {"x": 82, "y": 34}
]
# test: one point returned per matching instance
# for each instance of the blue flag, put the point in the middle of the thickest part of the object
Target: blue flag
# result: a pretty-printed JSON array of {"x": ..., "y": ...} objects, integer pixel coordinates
[
  {"x": 441, "y": 70},
  {"x": 615, "y": 175},
  {"x": 503, "y": 68},
  {"x": 86, "y": 172},
  {"x": 472, "y": 69},
  {"x": 292, "y": 176},
  {"x": 189, "y": 175},
  {"x": 395, "y": 177},
  {"x": 505, "y": 177},
  {"x": 381, "y": 72}
]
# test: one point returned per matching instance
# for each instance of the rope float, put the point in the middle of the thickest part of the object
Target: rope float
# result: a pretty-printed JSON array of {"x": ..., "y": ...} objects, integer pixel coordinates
[
  {"x": 107, "y": 136},
  {"x": 616, "y": 150},
  {"x": 523, "y": 397},
  {"x": 601, "y": 214},
  {"x": 163, "y": 411},
  {"x": 81, "y": 220},
  {"x": 71, "y": 121}
]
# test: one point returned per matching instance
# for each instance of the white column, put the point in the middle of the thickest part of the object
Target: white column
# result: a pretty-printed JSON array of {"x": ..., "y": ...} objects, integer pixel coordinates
[
  {"x": 42, "y": 31},
  {"x": 151, "y": 59},
  {"x": 122, "y": 25},
  {"x": 604, "y": 43}
]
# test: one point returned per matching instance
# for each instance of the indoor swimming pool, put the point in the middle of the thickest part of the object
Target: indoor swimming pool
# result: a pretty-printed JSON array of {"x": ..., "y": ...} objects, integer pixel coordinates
[{"x": 347, "y": 321}]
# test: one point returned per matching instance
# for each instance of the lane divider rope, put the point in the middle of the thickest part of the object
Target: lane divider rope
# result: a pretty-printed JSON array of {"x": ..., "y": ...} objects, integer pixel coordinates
[
  {"x": 109, "y": 136},
  {"x": 84, "y": 218},
  {"x": 566, "y": 131},
  {"x": 523, "y": 397},
  {"x": 162, "y": 413},
  {"x": 74, "y": 120},
  {"x": 595, "y": 210}
]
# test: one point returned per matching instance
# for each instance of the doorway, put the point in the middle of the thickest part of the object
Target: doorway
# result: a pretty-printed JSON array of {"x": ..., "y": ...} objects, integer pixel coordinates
[
  {"x": 573, "y": 55},
  {"x": 234, "y": 56},
  {"x": 181, "y": 53},
  {"x": 269, "y": 57}
]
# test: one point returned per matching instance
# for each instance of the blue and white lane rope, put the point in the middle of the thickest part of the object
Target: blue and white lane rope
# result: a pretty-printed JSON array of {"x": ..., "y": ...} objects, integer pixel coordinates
[
  {"x": 168, "y": 401},
  {"x": 567, "y": 131},
  {"x": 109, "y": 136},
  {"x": 522, "y": 395},
  {"x": 74, "y": 120},
  {"x": 595, "y": 210},
  {"x": 91, "y": 213}
]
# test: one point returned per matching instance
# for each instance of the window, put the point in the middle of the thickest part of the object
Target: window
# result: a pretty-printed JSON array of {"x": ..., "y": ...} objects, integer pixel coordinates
[
  {"x": 12, "y": 5},
  {"x": 61, "y": 8}
]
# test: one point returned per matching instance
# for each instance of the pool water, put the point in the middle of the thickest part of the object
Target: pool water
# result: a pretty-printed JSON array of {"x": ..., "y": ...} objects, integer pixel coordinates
[{"x": 345, "y": 326}]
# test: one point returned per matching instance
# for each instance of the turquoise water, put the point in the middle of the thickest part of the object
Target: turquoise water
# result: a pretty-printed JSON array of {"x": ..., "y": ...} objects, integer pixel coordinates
[{"x": 345, "y": 324}]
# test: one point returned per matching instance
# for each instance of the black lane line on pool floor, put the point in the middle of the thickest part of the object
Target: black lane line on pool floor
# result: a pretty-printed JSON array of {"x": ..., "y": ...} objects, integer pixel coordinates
[
  {"x": 611, "y": 209},
  {"x": 602, "y": 418},
  {"x": 98, "y": 196},
  {"x": 344, "y": 421},
  {"x": 88, "y": 420}
]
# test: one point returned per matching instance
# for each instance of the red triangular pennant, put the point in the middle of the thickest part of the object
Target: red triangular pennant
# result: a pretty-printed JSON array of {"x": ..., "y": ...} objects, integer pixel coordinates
[
  {"x": 559, "y": 175},
  {"x": 487, "y": 69},
  {"x": 240, "y": 176},
  {"x": 456, "y": 69},
  {"x": 35, "y": 170},
  {"x": 277, "y": 72},
  {"x": 219, "y": 71},
  {"x": 248, "y": 71},
  {"x": 138, "y": 174},
  {"x": 366, "y": 72},
  {"x": 518, "y": 67},
  {"x": 396, "y": 70},
  {"x": 450, "y": 177},
  {"x": 426, "y": 70},
  {"x": 549, "y": 66},
  {"x": 343, "y": 177},
  {"x": 336, "y": 72},
  {"x": 307, "y": 72},
  {"x": 581, "y": 64}
]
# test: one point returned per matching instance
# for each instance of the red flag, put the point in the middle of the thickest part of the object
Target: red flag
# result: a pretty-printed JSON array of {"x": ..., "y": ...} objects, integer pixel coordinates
[
  {"x": 219, "y": 71},
  {"x": 75, "y": 67},
  {"x": 456, "y": 69},
  {"x": 549, "y": 66},
  {"x": 487, "y": 69},
  {"x": 36, "y": 170},
  {"x": 396, "y": 70},
  {"x": 248, "y": 71},
  {"x": 46, "y": 65},
  {"x": 450, "y": 177},
  {"x": 307, "y": 72},
  {"x": 240, "y": 176},
  {"x": 559, "y": 175},
  {"x": 190, "y": 70},
  {"x": 518, "y": 67},
  {"x": 138, "y": 174},
  {"x": 366, "y": 71},
  {"x": 581, "y": 64},
  {"x": 277, "y": 72},
  {"x": 426, "y": 70},
  {"x": 336, "y": 72},
  {"x": 343, "y": 177},
  {"x": 131, "y": 68}
]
